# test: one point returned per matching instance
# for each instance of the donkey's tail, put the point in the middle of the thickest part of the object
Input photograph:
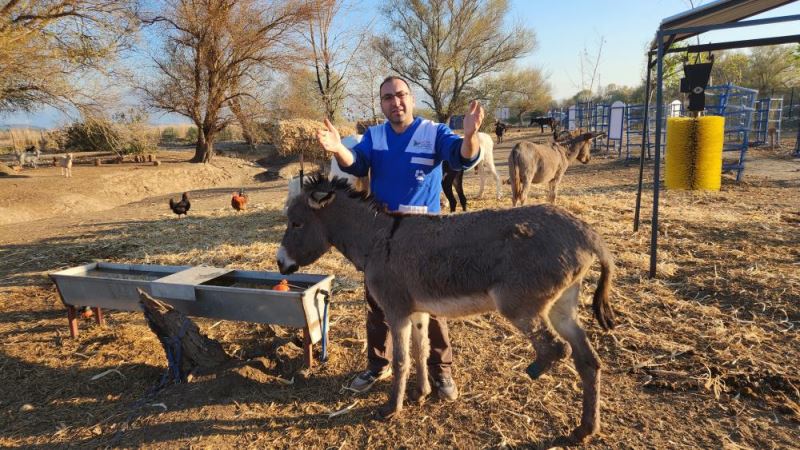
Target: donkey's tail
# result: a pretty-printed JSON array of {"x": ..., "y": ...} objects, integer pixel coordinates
[
  {"x": 514, "y": 173},
  {"x": 602, "y": 309}
]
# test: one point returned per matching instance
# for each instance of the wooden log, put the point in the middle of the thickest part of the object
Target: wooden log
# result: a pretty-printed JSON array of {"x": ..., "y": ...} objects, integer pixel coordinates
[{"x": 194, "y": 353}]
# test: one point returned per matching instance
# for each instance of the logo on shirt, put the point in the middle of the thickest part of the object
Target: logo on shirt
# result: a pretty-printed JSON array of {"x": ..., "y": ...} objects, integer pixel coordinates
[
  {"x": 421, "y": 143},
  {"x": 419, "y": 175}
]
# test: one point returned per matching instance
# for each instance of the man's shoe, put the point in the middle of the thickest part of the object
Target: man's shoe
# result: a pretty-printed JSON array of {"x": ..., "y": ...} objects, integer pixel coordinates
[
  {"x": 445, "y": 387},
  {"x": 364, "y": 381}
]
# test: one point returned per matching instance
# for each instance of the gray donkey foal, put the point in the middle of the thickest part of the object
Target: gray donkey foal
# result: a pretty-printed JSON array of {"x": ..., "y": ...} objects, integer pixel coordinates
[{"x": 527, "y": 263}]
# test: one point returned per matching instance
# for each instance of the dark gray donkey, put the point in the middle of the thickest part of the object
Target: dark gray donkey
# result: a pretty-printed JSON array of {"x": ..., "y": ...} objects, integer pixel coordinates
[{"x": 527, "y": 263}]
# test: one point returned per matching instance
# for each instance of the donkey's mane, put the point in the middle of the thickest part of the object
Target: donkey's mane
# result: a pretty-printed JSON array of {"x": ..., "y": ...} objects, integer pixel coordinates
[{"x": 319, "y": 182}]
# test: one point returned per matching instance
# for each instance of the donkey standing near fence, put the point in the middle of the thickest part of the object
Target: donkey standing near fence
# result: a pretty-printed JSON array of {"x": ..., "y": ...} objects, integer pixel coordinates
[{"x": 527, "y": 263}]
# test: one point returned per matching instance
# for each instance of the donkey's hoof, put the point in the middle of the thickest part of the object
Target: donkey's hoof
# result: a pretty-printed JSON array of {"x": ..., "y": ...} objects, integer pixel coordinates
[
  {"x": 387, "y": 412},
  {"x": 537, "y": 370},
  {"x": 582, "y": 433},
  {"x": 540, "y": 367},
  {"x": 419, "y": 395}
]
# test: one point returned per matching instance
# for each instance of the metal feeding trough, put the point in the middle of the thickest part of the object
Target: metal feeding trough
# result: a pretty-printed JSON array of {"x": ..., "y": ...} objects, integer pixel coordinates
[{"x": 202, "y": 292}]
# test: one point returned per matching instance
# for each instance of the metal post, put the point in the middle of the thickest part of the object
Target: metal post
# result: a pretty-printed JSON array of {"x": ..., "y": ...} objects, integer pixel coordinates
[
  {"x": 657, "y": 167},
  {"x": 99, "y": 318},
  {"x": 641, "y": 154},
  {"x": 308, "y": 349},
  {"x": 796, "y": 153},
  {"x": 72, "y": 320},
  {"x": 791, "y": 103}
]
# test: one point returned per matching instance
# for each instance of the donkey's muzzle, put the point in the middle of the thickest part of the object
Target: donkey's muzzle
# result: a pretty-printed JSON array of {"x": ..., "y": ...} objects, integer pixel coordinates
[
  {"x": 286, "y": 264},
  {"x": 287, "y": 270}
]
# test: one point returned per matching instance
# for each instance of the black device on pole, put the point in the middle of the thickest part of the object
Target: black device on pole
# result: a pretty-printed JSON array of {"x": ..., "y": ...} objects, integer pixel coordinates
[{"x": 694, "y": 83}]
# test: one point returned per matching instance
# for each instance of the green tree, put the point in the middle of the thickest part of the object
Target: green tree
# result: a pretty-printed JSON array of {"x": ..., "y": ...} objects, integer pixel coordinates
[
  {"x": 729, "y": 67},
  {"x": 772, "y": 68}
]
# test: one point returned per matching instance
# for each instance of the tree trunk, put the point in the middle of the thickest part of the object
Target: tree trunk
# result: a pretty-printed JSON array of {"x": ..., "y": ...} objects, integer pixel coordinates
[
  {"x": 244, "y": 122},
  {"x": 330, "y": 111},
  {"x": 204, "y": 150},
  {"x": 187, "y": 350}
]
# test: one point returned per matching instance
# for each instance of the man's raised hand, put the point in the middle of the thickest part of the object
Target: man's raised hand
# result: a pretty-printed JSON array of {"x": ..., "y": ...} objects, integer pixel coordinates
[
  {"x": 474, "y": 118},
  {"x": 329, "y": 138}
]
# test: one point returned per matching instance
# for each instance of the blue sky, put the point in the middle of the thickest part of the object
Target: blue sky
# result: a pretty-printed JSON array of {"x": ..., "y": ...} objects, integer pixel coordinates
[{"x": 563, "y": 30}]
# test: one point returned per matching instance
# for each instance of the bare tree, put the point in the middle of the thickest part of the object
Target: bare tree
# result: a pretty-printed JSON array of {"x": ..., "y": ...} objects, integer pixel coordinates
[
  {"x": 48, "y": 47},
  {"x": 215, "y": 53},
  {"x": 333, "y": 49},
  {"x": 299, "y": 97},
  {"x": 249, "y": 110},
  {"x": 364, "y": 83},
  {"x": 443, "y": 46},
  {"x": 589, "y": 62}
]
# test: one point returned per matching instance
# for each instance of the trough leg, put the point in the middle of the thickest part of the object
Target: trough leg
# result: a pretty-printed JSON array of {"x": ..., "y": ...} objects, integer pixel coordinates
[
  {"x": 72, "y": 319},
  {"x": 308, "y": 356},
  {"x": 98, "y": 316}
]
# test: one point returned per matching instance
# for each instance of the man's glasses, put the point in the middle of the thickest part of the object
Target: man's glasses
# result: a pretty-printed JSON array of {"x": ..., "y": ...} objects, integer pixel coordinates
[{"x": 400, "y": 96}]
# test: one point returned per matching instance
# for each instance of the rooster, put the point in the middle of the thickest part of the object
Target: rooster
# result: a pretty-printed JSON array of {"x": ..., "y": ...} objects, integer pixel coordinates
[
  {"x": 239, "y": 201},
  {"x": 181, "y": 207}
]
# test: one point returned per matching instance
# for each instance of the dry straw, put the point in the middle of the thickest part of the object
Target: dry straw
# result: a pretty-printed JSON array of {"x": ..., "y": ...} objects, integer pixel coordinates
[{"x": 704, "y": 356}]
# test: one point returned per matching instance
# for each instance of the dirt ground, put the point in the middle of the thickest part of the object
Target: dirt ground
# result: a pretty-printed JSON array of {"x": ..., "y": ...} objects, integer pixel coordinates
[{"x": 704, "y": 355}]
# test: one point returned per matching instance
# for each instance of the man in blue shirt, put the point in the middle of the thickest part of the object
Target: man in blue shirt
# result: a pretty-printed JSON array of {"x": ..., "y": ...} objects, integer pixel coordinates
[{"x": 404, "y": 160}]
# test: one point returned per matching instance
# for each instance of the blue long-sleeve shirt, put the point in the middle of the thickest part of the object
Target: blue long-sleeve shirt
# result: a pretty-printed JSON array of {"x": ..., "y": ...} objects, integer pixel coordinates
[{"x": 407, "y": 167}]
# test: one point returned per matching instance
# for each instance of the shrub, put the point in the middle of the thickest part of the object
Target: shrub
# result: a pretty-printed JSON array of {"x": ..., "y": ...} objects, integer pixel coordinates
[
  {"x": 191, "y": 134},
  {"x": 169, "y": 134},
  {"x": 133, "y": 137},
  {"x": 93, "y": 135}
]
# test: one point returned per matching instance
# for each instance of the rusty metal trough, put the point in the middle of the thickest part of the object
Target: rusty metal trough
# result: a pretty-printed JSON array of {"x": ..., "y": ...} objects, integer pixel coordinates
[{"x": 202, "y": 292}]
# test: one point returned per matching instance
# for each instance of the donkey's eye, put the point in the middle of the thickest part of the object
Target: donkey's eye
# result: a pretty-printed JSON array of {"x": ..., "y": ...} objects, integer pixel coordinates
[{"x": 296, "y": 225}]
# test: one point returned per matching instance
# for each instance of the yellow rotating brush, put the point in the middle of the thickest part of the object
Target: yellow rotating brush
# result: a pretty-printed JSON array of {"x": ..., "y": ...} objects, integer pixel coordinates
[{"x": 694, "y": 152}]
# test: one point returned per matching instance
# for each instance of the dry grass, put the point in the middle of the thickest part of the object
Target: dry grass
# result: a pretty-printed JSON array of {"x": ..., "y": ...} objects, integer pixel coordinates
[
  {"x": 704, "y": 356},
  {"x": 18, "y": 139}
]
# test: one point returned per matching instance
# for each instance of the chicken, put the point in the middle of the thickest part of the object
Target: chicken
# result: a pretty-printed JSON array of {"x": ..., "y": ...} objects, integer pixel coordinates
[
  {"x": 181, "y": 207},
  {"x": 85, "y": 312},
  {"x": 239, "y": 201}
]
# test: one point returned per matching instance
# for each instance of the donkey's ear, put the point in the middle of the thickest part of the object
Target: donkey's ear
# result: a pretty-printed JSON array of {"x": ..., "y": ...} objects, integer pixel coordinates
[
  {"x": 319, "y": 199},
  {"x": 596, "y": 135}
]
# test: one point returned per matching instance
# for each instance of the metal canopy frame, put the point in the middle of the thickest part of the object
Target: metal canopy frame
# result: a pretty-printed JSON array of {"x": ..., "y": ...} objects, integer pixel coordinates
[{"x": 719, "y": 15}]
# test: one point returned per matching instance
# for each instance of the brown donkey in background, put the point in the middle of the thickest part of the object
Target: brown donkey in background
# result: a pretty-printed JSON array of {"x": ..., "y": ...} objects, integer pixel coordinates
[
  {"x": 530, "y": 163},
  {"x": 527, "y": 263}
]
